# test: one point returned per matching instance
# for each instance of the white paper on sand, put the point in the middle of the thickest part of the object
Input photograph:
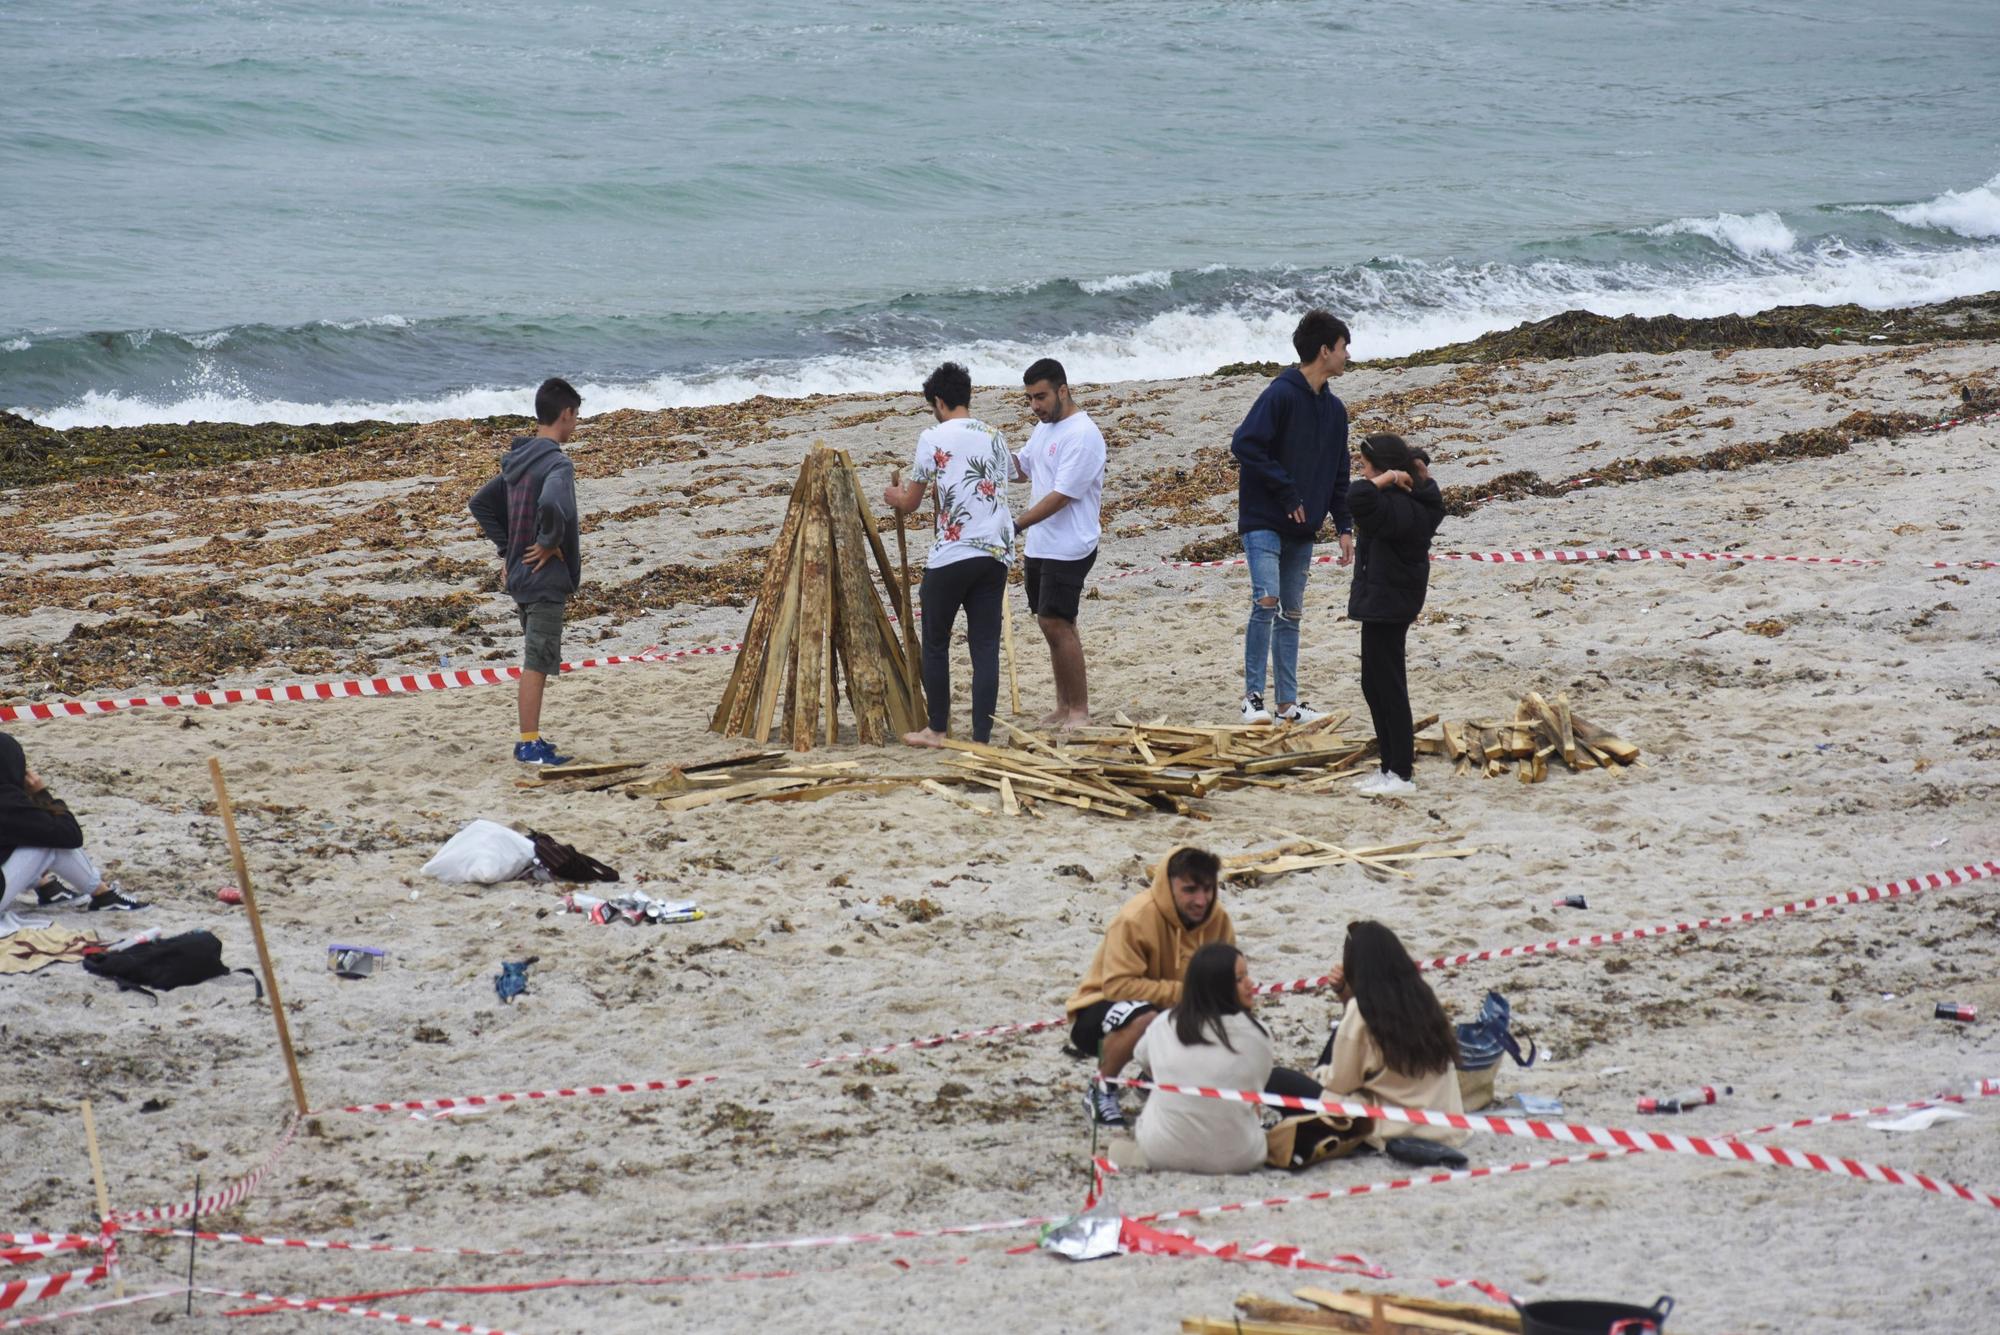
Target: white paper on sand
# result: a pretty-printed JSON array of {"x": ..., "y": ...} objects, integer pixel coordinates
[
  {"x": 484, "y": 851},
  {"x": 1922, "y": 1120}
]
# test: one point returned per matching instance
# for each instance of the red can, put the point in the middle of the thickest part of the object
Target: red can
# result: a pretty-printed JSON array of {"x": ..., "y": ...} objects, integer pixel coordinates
[
  {"x": 1683, "y": 1100},
  {"x": 1952, "y": 1010},
  {"x": 229, "y": 894}
]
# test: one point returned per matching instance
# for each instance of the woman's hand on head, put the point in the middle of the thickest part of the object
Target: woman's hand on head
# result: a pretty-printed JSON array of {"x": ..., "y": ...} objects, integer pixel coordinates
[{"x": 33, "y": 782}]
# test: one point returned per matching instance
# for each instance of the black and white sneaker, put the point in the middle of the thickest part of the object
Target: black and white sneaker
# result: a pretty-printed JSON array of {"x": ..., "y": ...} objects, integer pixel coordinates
[
  {"x": 1254, "y": 711},
  {"x": 112, "y": 899},
  {"x": 53, "y": 894},
  {"x": 1103, "y": 1104}
]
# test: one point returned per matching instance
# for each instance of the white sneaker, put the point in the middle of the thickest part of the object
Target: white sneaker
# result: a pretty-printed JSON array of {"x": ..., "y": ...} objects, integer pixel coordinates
[
  {"x": 1254, "y": 711},
  {"x": 1373, "y": 781},
  {"x": 1300, "y": 712},
  {"x": 1392, "y": 786}
]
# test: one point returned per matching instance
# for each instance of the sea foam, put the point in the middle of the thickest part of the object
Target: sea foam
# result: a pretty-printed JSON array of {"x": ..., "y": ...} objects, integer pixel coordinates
[
  {"x": 1752, "y": 236},
  {"x": 1970, "y": 213}
]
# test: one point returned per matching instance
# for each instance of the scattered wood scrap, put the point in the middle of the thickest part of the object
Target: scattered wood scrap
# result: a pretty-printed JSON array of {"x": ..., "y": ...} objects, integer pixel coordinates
[
  {"x": 819, "y": 618},
  {"x": 1302, "y": 854},
  {"x": 755, "y": 776},
  {"x": 1539, "y": 731},
  {"x": 1375, "y": 1313}
]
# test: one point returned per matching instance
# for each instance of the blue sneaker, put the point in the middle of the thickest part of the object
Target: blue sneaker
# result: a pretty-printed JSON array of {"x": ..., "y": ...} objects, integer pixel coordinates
[{"x": 539, "y": 752}]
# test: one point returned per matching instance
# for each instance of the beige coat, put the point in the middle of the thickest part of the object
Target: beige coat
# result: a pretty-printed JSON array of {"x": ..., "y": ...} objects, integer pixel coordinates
[{"x": 1359, "y": 1071}]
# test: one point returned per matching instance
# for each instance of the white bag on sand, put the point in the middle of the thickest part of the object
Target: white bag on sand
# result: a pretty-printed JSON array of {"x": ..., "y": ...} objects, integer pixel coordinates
[{"x": 484, "y": 851}]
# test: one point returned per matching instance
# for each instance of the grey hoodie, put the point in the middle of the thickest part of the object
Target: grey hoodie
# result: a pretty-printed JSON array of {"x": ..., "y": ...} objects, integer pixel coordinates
[{"x": 533, "y": 501}]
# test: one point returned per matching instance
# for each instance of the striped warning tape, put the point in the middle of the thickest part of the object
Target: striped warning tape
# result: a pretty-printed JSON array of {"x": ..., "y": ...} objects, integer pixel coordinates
[
  {"x": 530, "y": 1096},
  {"x": 40, "y": 1288},
  {"x": 220, "y": 1200},
  {"x": 1615, "y": 1138}
]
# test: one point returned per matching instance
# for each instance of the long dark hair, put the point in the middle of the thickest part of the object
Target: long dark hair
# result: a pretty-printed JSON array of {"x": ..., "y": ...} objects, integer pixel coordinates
[
  {"x": 1387, "y": 453},
  {"x": 1402, "y": 1012},
  {"x": 1208, "y": 996}
]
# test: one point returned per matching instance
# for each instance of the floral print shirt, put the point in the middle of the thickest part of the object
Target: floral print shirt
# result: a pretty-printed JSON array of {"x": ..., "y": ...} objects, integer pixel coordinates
[{"x": 969, "y": 463}]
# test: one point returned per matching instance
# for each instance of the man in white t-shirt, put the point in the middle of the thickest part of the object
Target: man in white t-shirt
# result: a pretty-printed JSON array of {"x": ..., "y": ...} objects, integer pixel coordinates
[
  {"x": 1063, "y": 463},
  {"x": 965, "y": 462}
]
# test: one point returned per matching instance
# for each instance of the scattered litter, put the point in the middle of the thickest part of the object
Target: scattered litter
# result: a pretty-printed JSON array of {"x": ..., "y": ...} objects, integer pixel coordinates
[
  {"x": 353, "y": 961},
  {"x": 1941, "y": 841},
  {"x": 635, "y": 907},
  {"x": 1921, "y": 1120},
  {"x": 1956, "y": 1011},
  {"x": 558, "y": 861},
  {"x": 1570, "y": 902},
  {"x": 229, "y": 894},
  {"x": 1888, "y": 996},
  {"x": 1083, "y": 1237},
  {"x": 1614, "y": 1070},
  {"x": 1532, "y": 1105},
  {"x": 512, "y": 980},
  {"x": 1686, "y": 1100}
]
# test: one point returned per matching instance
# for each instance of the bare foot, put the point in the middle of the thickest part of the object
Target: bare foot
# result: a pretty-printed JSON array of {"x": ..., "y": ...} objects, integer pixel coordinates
[
  {"x": 1071, "y": 721},
  {"x": 1052, "y": 719},
  {"x": 923, "y": 737}
]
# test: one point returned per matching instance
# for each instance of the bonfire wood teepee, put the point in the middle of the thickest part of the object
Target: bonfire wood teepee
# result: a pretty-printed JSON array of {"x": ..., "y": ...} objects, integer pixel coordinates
[{"x": 819, "y": 617}]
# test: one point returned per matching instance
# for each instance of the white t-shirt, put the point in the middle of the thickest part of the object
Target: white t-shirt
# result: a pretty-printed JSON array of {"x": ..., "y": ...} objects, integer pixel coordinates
[
  {"x": 1195, "y": 1135},
  {"x": 1065, "y": 456},
  {"x": 968, "y": 461}
]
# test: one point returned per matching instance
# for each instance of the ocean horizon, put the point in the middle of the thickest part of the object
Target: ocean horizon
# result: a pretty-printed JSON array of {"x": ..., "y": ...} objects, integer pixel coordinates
[{"x": 273, "y": 212}]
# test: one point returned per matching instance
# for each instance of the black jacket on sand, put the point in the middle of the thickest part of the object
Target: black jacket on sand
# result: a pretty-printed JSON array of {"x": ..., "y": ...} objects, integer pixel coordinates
[
  {"x": 30, "y": 820},
  {"x": 1392, "y": 549}
]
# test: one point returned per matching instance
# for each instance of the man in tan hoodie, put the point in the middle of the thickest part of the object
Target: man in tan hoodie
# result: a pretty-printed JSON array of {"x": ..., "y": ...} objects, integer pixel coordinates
[{"x": 1136, "y": 973}]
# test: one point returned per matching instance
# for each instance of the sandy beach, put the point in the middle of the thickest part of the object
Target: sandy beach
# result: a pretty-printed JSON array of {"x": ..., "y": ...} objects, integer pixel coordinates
[{"x": 1806, "y": 729}]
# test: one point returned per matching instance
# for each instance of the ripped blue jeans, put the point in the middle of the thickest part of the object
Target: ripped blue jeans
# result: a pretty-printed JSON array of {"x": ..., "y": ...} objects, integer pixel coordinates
[{"x": 1278, "y": 567}]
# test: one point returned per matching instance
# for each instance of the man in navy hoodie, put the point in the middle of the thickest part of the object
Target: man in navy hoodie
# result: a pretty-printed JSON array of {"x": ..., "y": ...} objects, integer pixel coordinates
[
  {"x": 1291, "y": 455},
  {"x": 529, "y": 511}
]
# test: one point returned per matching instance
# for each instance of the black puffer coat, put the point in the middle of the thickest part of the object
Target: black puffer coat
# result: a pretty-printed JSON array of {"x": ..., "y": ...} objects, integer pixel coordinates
[
  {"x": 1392, "y": 549},
  {"x": 30, "y": 820}
]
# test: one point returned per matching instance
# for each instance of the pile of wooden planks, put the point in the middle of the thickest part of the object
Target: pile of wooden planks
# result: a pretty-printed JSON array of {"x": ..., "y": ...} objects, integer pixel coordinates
[
  {"x": 1157, "y": 766},
  {"x": 819, "y": 621},
  {"x": 1539, "y": 731},
  {"x": 1354, "y": 1310},
  {"x": 754, "y": 776},
  {"x": 1302, "y": 854}
]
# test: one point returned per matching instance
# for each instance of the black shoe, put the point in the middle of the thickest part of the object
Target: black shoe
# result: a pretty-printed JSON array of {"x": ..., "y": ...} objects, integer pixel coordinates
[
  {"x": 53, "y": 894},
  {"x": 1104, "y": 1109},
  {"x": 111, "y": 899},
  {"x": 1425, "y": 1153}
]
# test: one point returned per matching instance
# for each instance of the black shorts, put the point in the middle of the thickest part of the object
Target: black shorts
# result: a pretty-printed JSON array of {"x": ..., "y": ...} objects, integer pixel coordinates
[
  {"x": 1055, "y": 588},
  {"x": 1093, "y": 1022}
]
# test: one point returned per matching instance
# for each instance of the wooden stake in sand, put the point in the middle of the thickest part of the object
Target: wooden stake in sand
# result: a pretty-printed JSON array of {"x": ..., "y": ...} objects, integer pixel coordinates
[
  {"x": 1007, "y": 639},
  {"x": 103, "y": 1193},
  {"x": 908, "y": 616},
  {"x": 820, "y": 613},
  {"x": 257, "y": 932}
]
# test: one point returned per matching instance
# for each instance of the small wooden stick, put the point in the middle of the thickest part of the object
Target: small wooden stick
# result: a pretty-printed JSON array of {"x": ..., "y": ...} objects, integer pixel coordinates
[
  {"x": 257, "y": 933},
  {"x": 103, "y": 1194}
]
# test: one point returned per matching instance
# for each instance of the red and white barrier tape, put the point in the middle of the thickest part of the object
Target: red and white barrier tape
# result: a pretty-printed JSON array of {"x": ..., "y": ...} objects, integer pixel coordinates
[
  {"x": 220, "y": 1200},
  {"x": 31, "y": 1248},
  {"x": 46, "y": 1317},
  {"x": 1617, "y": 1138},
  {"x": 1579, "y": 556},
  {"x": 301, "y": 692},
  {"x": 1135, "y": 1237},
  {"x": 40, "y": 1288},
  {"x": 529, "y": 1096},
  {"x": 348, "y": 1309}
]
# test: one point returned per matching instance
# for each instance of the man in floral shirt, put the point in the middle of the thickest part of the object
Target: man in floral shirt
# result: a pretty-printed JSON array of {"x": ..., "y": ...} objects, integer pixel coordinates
[{"x": 966, "y": 465}]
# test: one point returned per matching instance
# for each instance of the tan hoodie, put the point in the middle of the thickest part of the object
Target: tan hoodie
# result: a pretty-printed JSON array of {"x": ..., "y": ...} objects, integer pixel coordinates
[{"x": 1145, "y": 951}]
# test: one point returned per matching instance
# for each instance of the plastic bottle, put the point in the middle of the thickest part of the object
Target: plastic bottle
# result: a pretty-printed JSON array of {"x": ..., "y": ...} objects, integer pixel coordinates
[{"x": 1684, "y": 1100}]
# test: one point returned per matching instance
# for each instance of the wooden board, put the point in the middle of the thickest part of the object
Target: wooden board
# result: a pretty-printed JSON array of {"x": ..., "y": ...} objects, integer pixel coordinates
[
  {"x": 814, "y": 630},
  {"x": 737, "y": 697}
]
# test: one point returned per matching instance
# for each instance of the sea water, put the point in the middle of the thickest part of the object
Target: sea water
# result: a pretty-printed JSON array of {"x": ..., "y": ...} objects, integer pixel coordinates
[{"x": 272, "y": 210}]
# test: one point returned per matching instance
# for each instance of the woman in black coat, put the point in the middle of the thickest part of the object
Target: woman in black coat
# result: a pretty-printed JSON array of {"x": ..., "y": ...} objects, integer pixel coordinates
[
  {"x": 1396, "y": 509},
  {"x": 39, "y": 837}
]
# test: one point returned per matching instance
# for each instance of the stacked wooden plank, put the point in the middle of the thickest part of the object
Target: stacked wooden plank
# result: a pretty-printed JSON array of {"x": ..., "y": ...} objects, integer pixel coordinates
[
  {"x": 755, "y": 776},
  {"x": 1539, "y": 731},
  {"x": 1354, "y": 1310},
  {"x": 819, "y": 622},
  {"x": 1303, "y": 854},
  {"x": 1131, "y": 768}
]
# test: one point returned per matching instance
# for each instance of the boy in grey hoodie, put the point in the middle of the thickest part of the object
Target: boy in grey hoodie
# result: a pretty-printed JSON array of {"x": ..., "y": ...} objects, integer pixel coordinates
[{"x": 529, "y": 512}]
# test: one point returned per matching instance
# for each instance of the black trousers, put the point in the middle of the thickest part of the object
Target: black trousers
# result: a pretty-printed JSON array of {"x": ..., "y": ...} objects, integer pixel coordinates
[
  {"x": 978, "y": 585},
  {"x": 1386, "y": 687}
]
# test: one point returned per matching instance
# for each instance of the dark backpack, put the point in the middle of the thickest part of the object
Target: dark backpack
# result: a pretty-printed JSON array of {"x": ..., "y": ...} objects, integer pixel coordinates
[
  {"x": 565, "y": 863},
  {"x": 168, "y": 963}
]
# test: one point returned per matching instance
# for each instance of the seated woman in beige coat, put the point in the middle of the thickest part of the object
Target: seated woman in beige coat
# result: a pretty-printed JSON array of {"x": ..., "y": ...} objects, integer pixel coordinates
[{"x": 1395, "y": 1046}]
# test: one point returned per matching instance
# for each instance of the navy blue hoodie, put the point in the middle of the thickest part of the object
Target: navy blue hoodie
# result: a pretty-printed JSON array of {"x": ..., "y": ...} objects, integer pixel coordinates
[{"x": 1291, "y": 451}]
